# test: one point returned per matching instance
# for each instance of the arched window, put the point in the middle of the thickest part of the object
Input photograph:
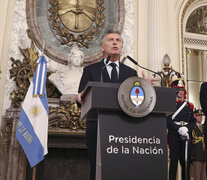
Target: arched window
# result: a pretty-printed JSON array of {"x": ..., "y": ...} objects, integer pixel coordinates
[{"x": 194, "y": 48}]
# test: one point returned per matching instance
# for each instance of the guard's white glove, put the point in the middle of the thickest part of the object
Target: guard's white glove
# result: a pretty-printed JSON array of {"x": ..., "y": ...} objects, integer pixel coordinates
[{"x": 183, "y": 131}]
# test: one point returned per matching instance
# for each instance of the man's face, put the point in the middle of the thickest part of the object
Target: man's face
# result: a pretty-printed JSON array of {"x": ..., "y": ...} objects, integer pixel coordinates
[
  {"x": 112, "y": 45},
  {"x": 180, "y": 94},
  {"x": 199, "y": 118}
]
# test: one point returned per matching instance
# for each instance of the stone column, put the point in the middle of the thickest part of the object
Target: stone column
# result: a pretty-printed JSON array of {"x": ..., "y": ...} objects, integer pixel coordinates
[
  {"x": 157, "y": 33},
  {"x": 142, "y": 33}
]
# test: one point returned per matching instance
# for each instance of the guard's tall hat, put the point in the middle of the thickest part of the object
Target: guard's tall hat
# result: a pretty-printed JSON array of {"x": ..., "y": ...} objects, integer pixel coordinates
[
  {"x": 178, "y": 83},
  {"x": 198, "y": 112}
]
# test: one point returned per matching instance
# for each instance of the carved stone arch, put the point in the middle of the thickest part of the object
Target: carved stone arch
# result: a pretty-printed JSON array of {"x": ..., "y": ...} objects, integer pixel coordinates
[
  {"x": 38, "y": 23},
  {"x": 187, "y": 38},
  {"x": 193, "y": 48}
]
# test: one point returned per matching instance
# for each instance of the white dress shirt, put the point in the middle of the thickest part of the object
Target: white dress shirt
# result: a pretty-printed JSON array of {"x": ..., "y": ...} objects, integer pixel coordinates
[{"x": 109, "y": 68}]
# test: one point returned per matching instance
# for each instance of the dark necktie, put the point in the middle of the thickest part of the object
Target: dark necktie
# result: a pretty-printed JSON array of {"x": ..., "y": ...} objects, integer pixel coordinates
[{"x": 114, "y": 74}]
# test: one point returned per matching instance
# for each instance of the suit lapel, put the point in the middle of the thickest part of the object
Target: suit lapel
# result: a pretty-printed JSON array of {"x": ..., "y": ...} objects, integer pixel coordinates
[
  {"x": 121, "y": 72},
  {"x": 105, "y": 74},
  {"x": 106, "y": 77}
]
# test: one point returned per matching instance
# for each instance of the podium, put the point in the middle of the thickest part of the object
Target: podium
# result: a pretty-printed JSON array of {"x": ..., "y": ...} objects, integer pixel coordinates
[{"x": 128, "y": 147}]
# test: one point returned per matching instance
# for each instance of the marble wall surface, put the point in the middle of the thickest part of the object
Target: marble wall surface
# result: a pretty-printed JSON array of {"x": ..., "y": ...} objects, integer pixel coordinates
[{"x": 19, "y": 38}]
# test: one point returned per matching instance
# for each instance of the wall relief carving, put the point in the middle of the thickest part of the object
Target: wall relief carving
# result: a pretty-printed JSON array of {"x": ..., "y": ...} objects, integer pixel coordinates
[
  {"x": 197, "y": 22},
  {"x": 62, "y": 24},
  {"x": 66, "y": 116},
  {"x": 76, "y": 22}
]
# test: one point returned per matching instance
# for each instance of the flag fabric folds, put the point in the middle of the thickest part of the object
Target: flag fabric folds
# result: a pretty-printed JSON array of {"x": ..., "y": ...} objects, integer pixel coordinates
[{"x": 32, "y": 127}]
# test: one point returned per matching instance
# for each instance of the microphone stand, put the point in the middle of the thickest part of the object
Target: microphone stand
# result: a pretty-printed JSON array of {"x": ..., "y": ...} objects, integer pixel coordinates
[
  {"x": 136, "y": 63},
  {"x": 107, "y": 60}
]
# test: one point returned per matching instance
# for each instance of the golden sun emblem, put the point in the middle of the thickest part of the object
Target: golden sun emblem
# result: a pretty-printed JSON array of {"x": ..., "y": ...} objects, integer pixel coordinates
[
  {"x": 35, "y": 110},
  {"x": 77, "y": 15},
  {"x": 136, "y": 83}
]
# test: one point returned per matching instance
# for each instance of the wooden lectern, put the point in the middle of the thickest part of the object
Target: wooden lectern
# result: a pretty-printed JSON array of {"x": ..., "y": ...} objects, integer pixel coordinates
[{"x": 128, "y": 147}]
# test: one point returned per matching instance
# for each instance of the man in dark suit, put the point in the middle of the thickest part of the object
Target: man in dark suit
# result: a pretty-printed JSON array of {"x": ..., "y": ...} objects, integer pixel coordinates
[
  {"x": 203, "y": 101},
  {"x": 115, "y": 72}
]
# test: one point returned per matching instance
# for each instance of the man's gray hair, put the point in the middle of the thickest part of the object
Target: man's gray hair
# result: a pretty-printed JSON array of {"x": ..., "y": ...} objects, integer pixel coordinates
[{"x": 110, "y": 31}]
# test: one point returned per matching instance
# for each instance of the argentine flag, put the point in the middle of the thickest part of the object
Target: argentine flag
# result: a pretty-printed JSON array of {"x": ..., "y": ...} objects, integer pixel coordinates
[{"x": 32, "y": 127}]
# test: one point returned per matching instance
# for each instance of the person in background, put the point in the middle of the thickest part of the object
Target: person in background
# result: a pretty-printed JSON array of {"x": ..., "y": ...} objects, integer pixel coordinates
[
  {"x": 203, "y": 102},
  {"x": 180, "y": 125},
  {"x": 198, "y": 151}
]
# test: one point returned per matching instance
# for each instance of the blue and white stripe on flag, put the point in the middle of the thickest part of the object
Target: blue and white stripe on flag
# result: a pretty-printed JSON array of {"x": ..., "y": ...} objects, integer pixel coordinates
[
  {"x": 32, "y": 127},
  {"x": 40, "y": 76}
]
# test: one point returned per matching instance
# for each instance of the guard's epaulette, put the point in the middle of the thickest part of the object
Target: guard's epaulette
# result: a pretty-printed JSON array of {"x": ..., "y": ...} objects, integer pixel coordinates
[{"x": 190, "y": 105}]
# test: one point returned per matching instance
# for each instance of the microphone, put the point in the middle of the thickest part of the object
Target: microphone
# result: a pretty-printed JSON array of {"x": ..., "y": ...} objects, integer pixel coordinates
[
  {"x": 107, "y": 61},
  {"x": 136, "y": 63},
  {"x": 132, "y": 60}
]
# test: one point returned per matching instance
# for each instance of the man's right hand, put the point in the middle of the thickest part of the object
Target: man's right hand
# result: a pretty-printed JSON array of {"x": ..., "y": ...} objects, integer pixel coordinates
[
  {"x": 79, "y": 97},
  {"x": 150, "y": 80}
]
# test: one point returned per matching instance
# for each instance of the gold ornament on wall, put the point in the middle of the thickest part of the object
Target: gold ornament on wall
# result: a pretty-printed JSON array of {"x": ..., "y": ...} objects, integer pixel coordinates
[
  {"x": 66, "y": 116},
  {"x": 76, "y": 21},
  {"x": 22, "y": 73}
]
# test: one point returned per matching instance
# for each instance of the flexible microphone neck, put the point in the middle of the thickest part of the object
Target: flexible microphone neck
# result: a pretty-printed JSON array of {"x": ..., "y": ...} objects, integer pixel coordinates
[
  {"x": 136, "y": 63},
  {"x": 107, "y": 61}
]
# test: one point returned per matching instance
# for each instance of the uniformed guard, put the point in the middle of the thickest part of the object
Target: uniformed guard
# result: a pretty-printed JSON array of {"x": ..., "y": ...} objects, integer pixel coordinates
[
  {"x": 180, "y": 125},
  {"x": 198, "y": 151}
]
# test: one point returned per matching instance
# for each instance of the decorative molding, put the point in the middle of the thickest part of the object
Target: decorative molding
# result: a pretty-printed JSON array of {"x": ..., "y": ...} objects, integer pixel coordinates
[{"x": 195, "y": 41}]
